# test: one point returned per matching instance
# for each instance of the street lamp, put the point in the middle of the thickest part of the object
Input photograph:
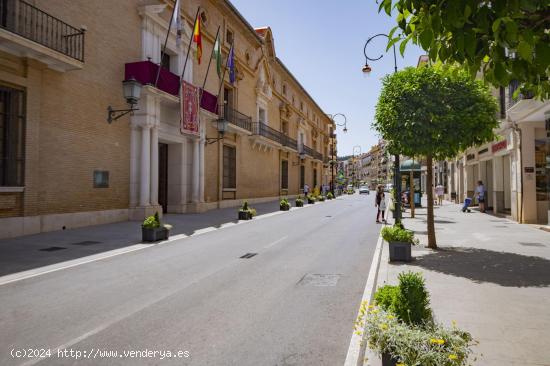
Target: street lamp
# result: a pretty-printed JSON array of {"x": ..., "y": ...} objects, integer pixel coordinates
[
  {"x": 333, "y": 150},
  {"x": 131, "y": 90},
  {"x": 396, "y": 174}
]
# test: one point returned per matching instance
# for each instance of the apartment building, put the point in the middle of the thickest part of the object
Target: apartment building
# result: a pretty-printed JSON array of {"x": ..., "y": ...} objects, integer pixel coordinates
[{"x": 62, "y": 165}]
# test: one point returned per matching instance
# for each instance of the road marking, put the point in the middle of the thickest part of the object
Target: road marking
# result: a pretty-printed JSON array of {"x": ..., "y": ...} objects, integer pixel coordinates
[
  {"x": 275, "y": 242},
  {"x": 204, "y": 230},
  {"x": 69, "y": 264},
  {"x": 357, "y": 347}
]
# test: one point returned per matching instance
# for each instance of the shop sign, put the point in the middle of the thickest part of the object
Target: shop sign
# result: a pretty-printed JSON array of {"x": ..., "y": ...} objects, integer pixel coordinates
[{"x": 499, "y": 146}]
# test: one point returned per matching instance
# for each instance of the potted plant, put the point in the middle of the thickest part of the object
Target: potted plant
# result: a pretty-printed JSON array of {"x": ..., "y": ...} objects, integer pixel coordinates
[
  {"x": 310, "y": 199},
  {"x": 330, "y": 196},
  {"x": 284, "y": 205},
  {"x": 246, "y": 212},
  {"x": 153, "y": 230},
  {"x": 321, "y": 198},
  {"x": 299, "y": 202},
  {"x": 400, "y": 241}
]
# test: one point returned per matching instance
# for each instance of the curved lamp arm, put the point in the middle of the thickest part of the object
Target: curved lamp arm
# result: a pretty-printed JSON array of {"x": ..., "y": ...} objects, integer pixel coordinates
[{"x": 367, "y": 68}]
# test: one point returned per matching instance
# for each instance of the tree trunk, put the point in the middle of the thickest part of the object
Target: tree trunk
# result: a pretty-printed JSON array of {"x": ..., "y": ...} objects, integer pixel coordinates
[
  {"x": 429, "y": 187},
  {"x": 411, "y": 189}
]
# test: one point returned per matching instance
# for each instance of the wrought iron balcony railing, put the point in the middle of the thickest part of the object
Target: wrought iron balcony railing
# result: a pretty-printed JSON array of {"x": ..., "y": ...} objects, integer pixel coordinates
[
  {"x": 26, "y": 20},
  {"x": 264, "y": 130},
  {"x": 289, "y": 142},
  {"x": 237, "y": 118}
]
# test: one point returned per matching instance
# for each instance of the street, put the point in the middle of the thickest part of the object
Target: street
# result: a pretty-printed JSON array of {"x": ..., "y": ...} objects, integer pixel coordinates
[{"x": 292, "y": 303}]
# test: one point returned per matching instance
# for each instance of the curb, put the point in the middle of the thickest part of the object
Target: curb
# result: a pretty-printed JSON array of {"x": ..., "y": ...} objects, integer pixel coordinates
[{"x": 357, "y": 346}]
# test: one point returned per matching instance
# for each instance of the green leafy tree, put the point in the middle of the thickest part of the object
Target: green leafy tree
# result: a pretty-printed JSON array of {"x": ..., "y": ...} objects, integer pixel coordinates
[
  {"x": 506, "y": 39},
  {"x": 436, "y": 113}
]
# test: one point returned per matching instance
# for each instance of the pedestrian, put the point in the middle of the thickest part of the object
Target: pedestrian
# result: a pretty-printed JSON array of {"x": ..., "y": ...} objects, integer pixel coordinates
[
  {"x": 440, "y": 191},
  {"x": 381, "y": 204},
  {"x": 480, "y": 194},
  {"x": 306, "y": 190}
]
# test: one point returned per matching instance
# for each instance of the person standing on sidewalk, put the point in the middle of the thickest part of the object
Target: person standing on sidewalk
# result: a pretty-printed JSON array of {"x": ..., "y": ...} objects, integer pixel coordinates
[
  {"x": 381, "y": 204},
  {"x": 480, "y": 194},
  {"x": 439, "y": 191},
  {"x": 306, "y": 190}
]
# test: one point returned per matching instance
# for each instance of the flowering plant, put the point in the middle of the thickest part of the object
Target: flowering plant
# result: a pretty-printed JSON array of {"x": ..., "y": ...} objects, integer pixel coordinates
[{"x": 433, "y": 345}]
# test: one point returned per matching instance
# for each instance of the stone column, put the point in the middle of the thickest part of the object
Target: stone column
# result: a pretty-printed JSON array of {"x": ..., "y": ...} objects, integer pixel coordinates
[
  {"x": 134, "y": 165},
  {"x": 201, "y": 166},
  {"x": 196, "y": 171},
  {"x": 145, "y": 173},
  {"x": 154, "y": 166}
]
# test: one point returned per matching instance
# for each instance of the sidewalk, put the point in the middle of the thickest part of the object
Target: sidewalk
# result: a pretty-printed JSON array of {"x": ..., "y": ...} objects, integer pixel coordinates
[
  {"x": 27, "y": 252},
  {"x": 491, "y": 276}
]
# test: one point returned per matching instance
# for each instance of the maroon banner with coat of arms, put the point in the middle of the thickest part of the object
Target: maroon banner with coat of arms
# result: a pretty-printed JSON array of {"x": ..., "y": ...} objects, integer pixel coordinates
[{"x": 189, "y": 122}]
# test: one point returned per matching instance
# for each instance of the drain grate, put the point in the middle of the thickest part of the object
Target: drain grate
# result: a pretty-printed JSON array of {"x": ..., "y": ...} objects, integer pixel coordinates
[
  {"x": 249, "y": 255},
  {"x": 87, "y": 242},
  {"x": 320, "y": 280},
  {"x": 52, "y": 249}
]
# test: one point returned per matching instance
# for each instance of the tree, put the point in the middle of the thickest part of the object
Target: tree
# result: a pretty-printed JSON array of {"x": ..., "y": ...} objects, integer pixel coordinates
[
  {"x": 434, "y": 112},
  {"x": 506, "y": 39}
]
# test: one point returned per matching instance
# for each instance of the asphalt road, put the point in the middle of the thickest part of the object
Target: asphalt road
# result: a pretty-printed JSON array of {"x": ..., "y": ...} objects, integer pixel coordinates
[{"x": 293, "y": 303}]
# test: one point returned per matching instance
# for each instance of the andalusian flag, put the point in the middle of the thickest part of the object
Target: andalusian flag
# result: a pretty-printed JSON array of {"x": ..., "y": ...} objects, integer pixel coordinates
[
  {"x": 231, "y": 64},
  {"x": 217, "y": 55},
  {"x": 197, "y": 38}
]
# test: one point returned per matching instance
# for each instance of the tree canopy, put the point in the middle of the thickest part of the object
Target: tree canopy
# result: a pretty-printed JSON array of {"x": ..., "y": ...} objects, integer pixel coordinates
[
  {"x": 434, "y": 111},
  {"x": 506, "y": 39}
]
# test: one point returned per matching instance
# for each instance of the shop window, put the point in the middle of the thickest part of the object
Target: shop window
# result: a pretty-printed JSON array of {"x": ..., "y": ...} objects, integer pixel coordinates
[
  {"x": 229, "y": 167},
  {"x": 284, "y": 174},
  {"x": 12, "y": 137}
]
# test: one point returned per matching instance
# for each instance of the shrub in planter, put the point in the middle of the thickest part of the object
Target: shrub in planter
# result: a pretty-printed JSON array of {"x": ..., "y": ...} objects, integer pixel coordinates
[
  {"x": 321, "y": 198},
  {"x": 409, "y": 301},
  {"x": 400, "y": 241},
  {"x": 299, "y": 202},
  {"x": 153, "y": 230},
  {"x": 310, "y": 199},
  {"x": 330, "y": 196},
  {"x": 246, "y": 212},
  {"x": 284, "y": 205},
  {"x": 398, "y": 342}
]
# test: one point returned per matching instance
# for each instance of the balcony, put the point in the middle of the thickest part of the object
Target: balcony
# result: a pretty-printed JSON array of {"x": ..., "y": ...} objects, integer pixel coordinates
[
  {"x": 28, "y": 31},
  {"x": 238, "y": 122},
  {"x": 289, "y": 143},
  {"x": 146, "y": 73}
]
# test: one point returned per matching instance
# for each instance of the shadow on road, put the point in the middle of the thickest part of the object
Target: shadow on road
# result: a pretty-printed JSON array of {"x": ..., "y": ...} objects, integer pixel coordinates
[{"x": 480, "y": 265}]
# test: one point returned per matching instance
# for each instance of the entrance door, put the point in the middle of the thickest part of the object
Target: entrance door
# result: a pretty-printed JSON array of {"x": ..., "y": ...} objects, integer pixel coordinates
[{"x": 163, "y": 177}]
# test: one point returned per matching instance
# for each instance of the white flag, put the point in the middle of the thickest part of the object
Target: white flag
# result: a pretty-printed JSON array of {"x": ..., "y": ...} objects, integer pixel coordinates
[{"x": 178, "y": 23}]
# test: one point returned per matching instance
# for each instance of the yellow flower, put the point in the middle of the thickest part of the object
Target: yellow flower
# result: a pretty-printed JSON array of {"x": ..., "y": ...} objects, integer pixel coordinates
[
  {"x": 452, "y": 356},
  {"x": 375, "y": 311},
  {"x": 390, "y": 317},
  {"x": 454, "y": 323},
  {"x": 437, "y": 341},
  {"x": 383, "y": 326},
  {"x": 400, "y": 364}
]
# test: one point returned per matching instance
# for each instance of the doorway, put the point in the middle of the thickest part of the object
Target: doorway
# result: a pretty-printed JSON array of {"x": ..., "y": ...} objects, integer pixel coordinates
[{"x": 163, "y": 177}]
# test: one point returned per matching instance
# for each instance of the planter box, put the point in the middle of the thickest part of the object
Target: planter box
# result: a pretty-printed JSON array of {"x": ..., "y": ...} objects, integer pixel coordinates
[
  {"x": 156, "y": 234},
  {"x": 299, "y": 204},
  {"x": 284, "y": 208},
  {"x": 387, "y": 360},
  {"x": 245, "y": 215},
  {"x": 310, "y": 202},
  {"x": 400, "y": 251}
]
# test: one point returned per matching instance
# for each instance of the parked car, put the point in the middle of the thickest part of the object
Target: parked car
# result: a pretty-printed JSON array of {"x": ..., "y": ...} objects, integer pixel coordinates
[{"x": 364, "y": 189}]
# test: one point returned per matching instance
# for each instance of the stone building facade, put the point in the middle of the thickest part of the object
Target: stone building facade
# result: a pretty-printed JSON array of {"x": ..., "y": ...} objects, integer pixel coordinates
[{"x": 63, "y": 166}]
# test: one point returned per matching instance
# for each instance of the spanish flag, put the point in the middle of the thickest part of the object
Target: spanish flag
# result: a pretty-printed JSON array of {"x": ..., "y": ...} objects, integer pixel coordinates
[{"x": 197, "y": 38}]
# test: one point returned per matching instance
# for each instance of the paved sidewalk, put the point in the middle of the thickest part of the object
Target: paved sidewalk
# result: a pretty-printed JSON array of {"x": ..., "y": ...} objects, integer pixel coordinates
[
  {"x": 24, "y": 253},
  {"x": 491, "y": 276}
]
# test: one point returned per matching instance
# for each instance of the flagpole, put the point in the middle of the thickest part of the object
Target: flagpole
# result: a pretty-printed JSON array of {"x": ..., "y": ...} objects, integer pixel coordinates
[
  {"x": 165, "y": 42},
  {"x": 190, "y": 41},
  {"x": 223, "y": 76},
  {"x": 208, "y": 68}
]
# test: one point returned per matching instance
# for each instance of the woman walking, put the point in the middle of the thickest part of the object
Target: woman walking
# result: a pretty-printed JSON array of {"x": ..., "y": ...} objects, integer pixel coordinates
[{"x": 381, "y": 204}]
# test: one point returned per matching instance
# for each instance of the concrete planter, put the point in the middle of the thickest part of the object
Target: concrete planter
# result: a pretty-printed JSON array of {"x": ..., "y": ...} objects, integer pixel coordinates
[
  {"x": 400, "y": 251},
  {"x": 156, "y": 234},
  {"x": 388, "y": 360},
  {"x": 245, "y": 215},
  {"x": 310, "y": 202},
  {"x": 299, "y": 203},
  {"x": 284, "y": 208}
]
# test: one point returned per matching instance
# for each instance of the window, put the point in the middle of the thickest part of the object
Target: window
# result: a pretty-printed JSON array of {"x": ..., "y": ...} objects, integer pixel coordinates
[
  {"x": 302, "y": 106},
  {"x": 229, "y": 167},
  {"x": 261, "y": 115},
  {"x": 12, "y": 137},
  {"x": 165, "y": 61},
  {"x": 204, "y": 18},
  {"x": 285, "y": 127},
  {"x": 101, "y": 179},
  {"x": 284, "y": 90},
  {"x": 284, "y": 174},
  {"x": 302, "y": 176},
  {"x": 229, "y": 36}
]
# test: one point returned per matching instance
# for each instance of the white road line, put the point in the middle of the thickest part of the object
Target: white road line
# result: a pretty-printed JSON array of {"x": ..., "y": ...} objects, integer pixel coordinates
[
  {"x": 275, "y": 242},
  {"x": 68, "y": 264},
  {"x": 204, "y": 230},
  {"x": 356, "y": 348}
]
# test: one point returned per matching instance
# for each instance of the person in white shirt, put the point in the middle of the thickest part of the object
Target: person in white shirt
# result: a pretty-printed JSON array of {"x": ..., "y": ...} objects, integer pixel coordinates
[
  {"x": 439, "y": 191},
  {"x": 480, "y": 194}
]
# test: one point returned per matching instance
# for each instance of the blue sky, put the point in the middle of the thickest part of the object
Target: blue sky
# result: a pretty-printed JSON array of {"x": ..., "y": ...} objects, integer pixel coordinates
[{"x": 321, "y": 42}]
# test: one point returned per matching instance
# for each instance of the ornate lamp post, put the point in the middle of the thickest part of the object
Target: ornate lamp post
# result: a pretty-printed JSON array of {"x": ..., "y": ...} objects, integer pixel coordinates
[
  {"x": 396, "y": 173},
  {"x": 333, "y": 150}
]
